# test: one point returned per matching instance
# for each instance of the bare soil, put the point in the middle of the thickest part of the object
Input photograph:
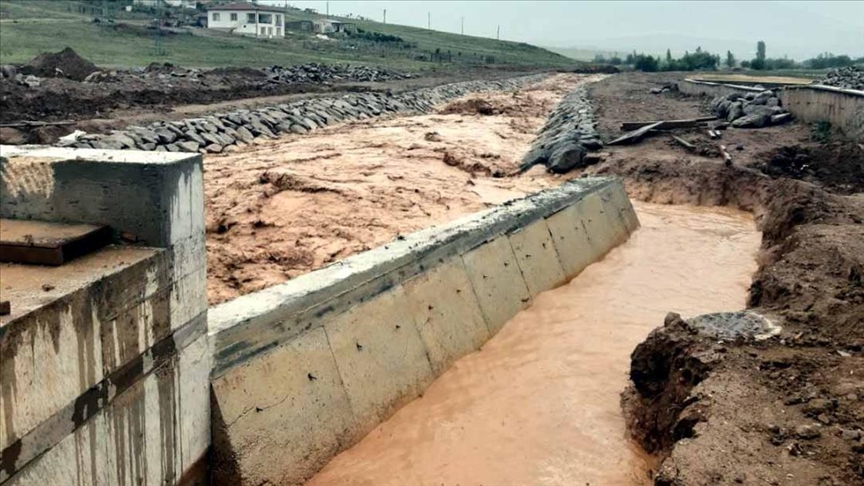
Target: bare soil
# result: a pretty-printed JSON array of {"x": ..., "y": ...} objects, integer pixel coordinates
[
  {"x": 788, "y": 410},
  {"x": 284, "y": 207}
]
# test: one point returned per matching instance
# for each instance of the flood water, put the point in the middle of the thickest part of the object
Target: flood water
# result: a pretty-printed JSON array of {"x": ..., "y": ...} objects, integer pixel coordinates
[{"x": 539, "y": 404}]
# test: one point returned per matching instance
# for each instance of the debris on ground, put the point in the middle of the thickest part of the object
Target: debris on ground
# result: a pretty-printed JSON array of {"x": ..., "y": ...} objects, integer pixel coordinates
[
  {"x": 314, "y": 72},
  {"x": 851, "y": 77},
  {"x": 752, "y": 110}
]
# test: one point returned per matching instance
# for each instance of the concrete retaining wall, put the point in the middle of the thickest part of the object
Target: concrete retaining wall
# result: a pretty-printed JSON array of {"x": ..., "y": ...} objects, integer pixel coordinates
[
  {"x": 844, "y": 108},
  {"x": 305, "y": 369},
  {"x": 105, "y": 374}
]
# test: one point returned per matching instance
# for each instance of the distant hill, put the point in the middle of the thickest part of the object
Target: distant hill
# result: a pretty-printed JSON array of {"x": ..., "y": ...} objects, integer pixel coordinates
[{"x": 123, "y": 39}]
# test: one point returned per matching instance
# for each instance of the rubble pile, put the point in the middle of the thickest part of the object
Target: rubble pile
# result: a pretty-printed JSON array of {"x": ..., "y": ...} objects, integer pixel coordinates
[
  {"x": 851, "y": 77},
  {"x": 569, "y": 134},
  {"x": 216, "y": 133},
  {"x": 753, "y": 110}
]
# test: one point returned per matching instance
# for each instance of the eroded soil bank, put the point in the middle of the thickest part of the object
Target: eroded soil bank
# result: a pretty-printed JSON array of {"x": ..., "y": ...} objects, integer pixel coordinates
[
  {"x": 539, "y": 404},
  {"x": 789, "y": 410},
  {"x": 284, "y": 207}
]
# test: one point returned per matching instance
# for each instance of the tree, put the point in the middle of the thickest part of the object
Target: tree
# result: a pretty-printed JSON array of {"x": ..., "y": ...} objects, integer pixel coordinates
[
  {"x": 668, "y": 56},
  {"x": 645, "y": 63},
  {"x": 730, "y": 59},
  {"x": 759, "y": 62}
]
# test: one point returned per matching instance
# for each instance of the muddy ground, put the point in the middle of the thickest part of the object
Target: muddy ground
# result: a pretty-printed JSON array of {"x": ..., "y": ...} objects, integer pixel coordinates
[
  {"x": 284, "y": 207},
  {"x": 788, "y": 410}
]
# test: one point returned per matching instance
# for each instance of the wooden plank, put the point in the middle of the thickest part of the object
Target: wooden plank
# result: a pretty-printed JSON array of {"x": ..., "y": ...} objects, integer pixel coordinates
[
  {"x": 667, "y": 124},
  {"x": 22, "y": 124},
  {"x": 684, "y": 143},
  {"x": 635, "y": 135},
  {"x": 48, "y": 243}
]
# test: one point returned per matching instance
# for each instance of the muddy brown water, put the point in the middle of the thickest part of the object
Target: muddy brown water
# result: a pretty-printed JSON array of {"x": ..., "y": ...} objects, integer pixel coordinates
[{"x": 539, "y": 404}]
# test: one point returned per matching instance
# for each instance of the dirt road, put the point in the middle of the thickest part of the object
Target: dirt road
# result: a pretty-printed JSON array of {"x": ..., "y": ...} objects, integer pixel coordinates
[{"x": 284, "y": 207}]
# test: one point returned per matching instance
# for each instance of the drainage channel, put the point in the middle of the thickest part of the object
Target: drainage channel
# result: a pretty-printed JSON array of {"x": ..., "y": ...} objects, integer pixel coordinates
[{"x": 539, "y": 404}]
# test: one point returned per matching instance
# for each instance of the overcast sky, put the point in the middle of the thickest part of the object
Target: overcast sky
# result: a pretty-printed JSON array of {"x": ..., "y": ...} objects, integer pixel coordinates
[{"x": 798, "y": 28}]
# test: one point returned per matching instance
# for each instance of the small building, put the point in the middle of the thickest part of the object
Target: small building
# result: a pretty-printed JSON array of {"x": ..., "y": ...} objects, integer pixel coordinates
[
  {"x": 247, "y": 19},
  {"x": 326, "y": 26}
]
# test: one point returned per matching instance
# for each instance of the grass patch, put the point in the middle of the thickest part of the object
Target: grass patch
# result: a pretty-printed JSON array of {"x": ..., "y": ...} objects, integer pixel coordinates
[{"x": 29, "y": 28}]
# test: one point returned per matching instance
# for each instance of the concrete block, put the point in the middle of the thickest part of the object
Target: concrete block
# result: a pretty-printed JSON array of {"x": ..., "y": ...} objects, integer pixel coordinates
[
  {"x": 446, "y": 312},
  {"x": 281, "y": 417},
  {"x": 149, "y": 194},
  {"x": 380, "y": 356},
  {"x": 498, "y": 284},
  {"x": 570, "y": 237},
  {"x": 79, "y": 459},
  {"x": 58, "y": 349},
  {"x": 604, "y": 228},
  {"x": 193, "y": 378},
  {"x": 188, "y": 298},
  {"x": 129, "y": 334},
  {"x": 535, "y": 252}
]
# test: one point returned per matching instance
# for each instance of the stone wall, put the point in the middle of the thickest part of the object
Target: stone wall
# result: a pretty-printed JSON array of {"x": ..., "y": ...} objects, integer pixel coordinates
[
  {"x": 305, "y": 369},
  {"x": 219, "y": 132}
]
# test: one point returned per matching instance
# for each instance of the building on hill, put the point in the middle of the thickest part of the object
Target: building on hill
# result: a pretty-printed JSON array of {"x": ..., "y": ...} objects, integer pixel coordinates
[
  {"x": 166, "y": 3},
  {"x": 247, "y": 19},
  {"x": 327, "y": 26},
  {"x": 300, "y": 25}
]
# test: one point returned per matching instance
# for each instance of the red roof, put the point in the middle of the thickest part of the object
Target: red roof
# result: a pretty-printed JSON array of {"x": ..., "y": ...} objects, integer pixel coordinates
[{"x": 246, "y": 7}]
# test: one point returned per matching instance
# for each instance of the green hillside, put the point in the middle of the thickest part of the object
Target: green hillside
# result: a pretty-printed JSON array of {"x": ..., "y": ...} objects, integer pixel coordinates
[{"x": 124, "y": 39}]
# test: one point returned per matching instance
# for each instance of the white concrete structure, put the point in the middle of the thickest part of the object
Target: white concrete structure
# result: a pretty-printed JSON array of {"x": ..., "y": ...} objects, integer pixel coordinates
[{"x": 247, "y": 19}]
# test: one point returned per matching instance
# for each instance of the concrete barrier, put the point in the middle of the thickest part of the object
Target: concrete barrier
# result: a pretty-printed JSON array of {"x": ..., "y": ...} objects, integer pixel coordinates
[
  {"x": 843, "y": 108},
  {"x": 105, "y": 359},
  {"x": 304, "y": 369}
]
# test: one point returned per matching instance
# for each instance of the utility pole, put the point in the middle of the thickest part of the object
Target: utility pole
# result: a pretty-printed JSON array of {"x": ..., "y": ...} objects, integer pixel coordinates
[
  {"x": 498, "y": 33},
  {"x": 429, "y": 20},
  {"x": 462, "y": 30},
  {"x": 385, "y": 15},
  {"x": 328, "y": 9}
]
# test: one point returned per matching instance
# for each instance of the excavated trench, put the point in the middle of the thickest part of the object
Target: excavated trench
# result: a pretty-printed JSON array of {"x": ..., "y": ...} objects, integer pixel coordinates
[{"x": 539, "y": 403}]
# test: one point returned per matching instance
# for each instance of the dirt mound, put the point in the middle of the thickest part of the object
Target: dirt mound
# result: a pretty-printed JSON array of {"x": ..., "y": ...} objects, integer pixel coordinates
[
  {"x": 838, "y": 166},
  {"x": 64, "y": 64},
  {"x": 474, "y": 106}
]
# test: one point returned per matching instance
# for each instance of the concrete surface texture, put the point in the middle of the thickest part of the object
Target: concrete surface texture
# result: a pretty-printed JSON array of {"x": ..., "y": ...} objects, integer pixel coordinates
[
  {"x": 105, "y": 369},
  {"x": 305, "y": 369}
]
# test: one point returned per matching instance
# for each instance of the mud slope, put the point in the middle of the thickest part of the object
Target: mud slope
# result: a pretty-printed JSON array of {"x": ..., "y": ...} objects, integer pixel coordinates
[{"x": 788, "y": 410}]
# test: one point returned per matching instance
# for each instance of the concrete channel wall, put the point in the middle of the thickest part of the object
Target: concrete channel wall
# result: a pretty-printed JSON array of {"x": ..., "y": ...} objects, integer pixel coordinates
[
  {"x": 105, "y": 372},
  {"x": 843, "y": 108},
  {"x": 305, "y": 369}
]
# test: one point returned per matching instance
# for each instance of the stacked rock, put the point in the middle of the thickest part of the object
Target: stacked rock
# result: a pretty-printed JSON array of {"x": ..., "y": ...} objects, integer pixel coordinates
[
  {"x": 216, "y": 133},
  {"x": 751, "y": 110},
  {"x": 317, "y": 73},
  {"x": 569, "y": 134},
  {"x": 851, "y": 77}
]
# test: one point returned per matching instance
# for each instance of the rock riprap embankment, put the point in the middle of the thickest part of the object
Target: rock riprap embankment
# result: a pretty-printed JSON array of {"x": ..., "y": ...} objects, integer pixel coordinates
[
  {"x": 567, "y": 137},
  {"x": 215, "y": 133},
  {"x": 751, "y": 110},
  {"x": 851, "y": 77}
]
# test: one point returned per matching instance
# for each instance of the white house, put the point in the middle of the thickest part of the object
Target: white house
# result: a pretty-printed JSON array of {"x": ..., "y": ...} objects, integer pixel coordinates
[{"x": 247, "y": 19}]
